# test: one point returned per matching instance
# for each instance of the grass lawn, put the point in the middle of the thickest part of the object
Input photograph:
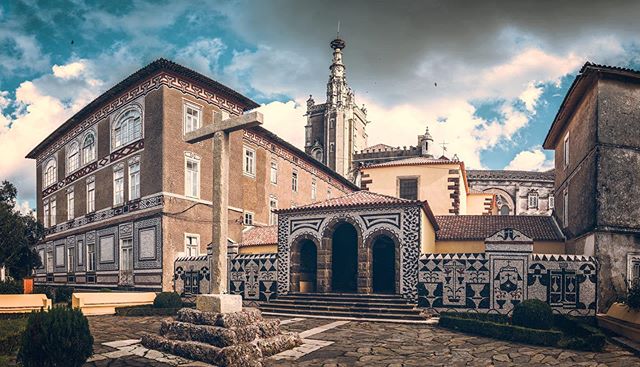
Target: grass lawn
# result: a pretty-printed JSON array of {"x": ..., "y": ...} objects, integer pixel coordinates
[{"x": 10, "y": 336}]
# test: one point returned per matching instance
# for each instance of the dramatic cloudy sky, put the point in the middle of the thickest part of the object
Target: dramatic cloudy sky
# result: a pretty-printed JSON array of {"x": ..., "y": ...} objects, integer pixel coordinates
[{"x": 487, "y": 77}]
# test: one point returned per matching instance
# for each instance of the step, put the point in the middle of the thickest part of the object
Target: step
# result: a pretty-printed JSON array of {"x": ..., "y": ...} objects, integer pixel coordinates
[
  {"x": 297, "y": 307},
  {"x": 348, "y": 295},
  {"x": 403, "y": 305},
  {"x": 399, "y": 316},
  {"x": 342, "y": 298}
]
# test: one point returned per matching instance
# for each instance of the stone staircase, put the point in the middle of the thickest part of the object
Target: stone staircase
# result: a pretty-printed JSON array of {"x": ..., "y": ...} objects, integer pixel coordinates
[{"x": 346, "y": 305}]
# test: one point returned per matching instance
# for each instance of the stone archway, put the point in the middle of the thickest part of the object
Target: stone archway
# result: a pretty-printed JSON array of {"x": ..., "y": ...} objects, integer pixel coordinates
[
  {"x": 303, "y": 276},
  {"x": 505, "y": 203},
  {"x": 383, "y": 265},
  {"x": 344, "y": 258}
]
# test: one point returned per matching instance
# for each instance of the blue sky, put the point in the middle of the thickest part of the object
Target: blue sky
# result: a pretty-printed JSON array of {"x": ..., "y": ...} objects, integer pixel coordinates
[{"x": 486, "y": 78}]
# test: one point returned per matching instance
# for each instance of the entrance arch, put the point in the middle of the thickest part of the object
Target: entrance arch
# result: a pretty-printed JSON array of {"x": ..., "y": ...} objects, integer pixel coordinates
[
  {"x": 308, "y": 266},
  {"x": 383, "y": 265},
  {"x": 344, "y": 258}
]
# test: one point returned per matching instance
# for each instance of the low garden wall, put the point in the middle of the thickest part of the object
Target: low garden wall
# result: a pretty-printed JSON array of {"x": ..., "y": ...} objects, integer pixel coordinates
[
  {"x": 191, "y": 275},
  {"x": 494, "y": 282},
  {"x": 254, "y": 277}
]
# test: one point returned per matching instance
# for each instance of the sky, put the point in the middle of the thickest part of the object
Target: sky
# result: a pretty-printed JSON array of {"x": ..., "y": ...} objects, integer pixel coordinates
[{"x": 486, "y": 77}]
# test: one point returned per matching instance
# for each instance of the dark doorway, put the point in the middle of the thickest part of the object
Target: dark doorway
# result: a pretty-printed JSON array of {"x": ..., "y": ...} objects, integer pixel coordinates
[
  {"x": 384, "y": 265},
  {"x": 308, "y": 266},
  {"x": 344, "y": 259}
]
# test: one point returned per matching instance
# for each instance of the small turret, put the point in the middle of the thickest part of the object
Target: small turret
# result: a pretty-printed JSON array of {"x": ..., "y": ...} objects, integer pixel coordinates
[{"x": 426, "y": 144}]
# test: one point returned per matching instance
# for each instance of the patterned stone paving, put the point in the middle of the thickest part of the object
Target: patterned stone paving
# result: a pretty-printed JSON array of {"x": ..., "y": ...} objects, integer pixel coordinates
[{"x": 369, "y": 344}]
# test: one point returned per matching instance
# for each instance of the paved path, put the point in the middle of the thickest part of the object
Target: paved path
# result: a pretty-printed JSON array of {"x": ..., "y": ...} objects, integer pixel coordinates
[{"x": 371, "y": 344}]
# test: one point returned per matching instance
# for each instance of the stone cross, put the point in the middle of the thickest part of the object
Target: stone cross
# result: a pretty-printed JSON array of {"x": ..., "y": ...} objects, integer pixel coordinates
[{"x": 219, "y": 300}]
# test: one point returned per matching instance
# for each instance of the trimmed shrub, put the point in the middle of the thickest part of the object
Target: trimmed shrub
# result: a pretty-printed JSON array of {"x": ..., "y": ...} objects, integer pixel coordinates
[
  {"x": 579, "y": 335},
  {"x": 106, "y": 290},
  {"x": 492, "y": 317},
  {"x": 46, "y": 290},
  {"x": 534, "y": 314},
  {"x": 167, "y": 300},
  {"x": 59, "y": 337},
  {"x": 10, "y": 334},
  {"x": 501, "y": 331},
  {"x": 633, "y": 297},
  {"x": 146, "y": 311},
  {"x": 11, "y": 287},
  {"x": 63, "y": 294}
]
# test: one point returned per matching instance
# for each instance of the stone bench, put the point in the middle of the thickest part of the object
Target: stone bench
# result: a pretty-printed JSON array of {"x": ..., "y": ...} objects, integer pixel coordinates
[
  {"x": 23, "y": 303},
  {"x": 105, "y": 303}
]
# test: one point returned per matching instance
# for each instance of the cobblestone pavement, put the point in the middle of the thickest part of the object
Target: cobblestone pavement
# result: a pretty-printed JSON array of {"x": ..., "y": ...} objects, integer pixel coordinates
[{"x": 377, "y": 344}]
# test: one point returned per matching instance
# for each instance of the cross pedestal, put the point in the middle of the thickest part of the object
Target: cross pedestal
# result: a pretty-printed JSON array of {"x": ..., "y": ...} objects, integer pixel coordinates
[{"x": 219, "y": 300}]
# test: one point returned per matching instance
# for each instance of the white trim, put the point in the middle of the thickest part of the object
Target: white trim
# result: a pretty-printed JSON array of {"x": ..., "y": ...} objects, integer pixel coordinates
[
  {"x": 55, "y": 170},
  {"x": 244, "y": 217},
  {"x": 91, "y": 131},
  {"x": 115, "y": 118},
  {"x": 195, "y": 235},
  {"x": 239, "y": 210},
  {"x": 131, "y": 162},
  {"x": 179, "y": 196},
  {"x": 565, "y": 151},
  {"x": 246, "y": 149},
  {"x": 190, "y": 157},
  {"x": 67, "y": 170},
  {"x": 187, "y": 103}
]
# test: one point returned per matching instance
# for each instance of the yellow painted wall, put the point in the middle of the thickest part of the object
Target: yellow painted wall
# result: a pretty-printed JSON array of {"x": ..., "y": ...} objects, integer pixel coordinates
[
  {"x": 432, "y": 183},
  {"x": 258, "y": 249},
  {"x": 475, "y": 203},
  {"x": 428, "y": 235},
  {"x": 452, "y": 247}
]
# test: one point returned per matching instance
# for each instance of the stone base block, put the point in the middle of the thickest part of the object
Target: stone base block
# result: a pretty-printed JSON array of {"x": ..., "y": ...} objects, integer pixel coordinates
[
  {"x": 278, "y": 343},
  {"x": 219, "y": 303}
]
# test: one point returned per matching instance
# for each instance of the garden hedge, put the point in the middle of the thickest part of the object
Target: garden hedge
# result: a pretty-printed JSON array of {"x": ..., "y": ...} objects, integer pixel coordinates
[{"x": 11, "y": 334}]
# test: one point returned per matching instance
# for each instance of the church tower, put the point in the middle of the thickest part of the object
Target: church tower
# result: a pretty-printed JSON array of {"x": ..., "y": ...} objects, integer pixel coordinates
[{"x": 336, "y": 129}]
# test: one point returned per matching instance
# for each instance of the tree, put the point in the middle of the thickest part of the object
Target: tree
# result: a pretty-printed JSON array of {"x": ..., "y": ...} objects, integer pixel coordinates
[{"x": 19, "y": 233}]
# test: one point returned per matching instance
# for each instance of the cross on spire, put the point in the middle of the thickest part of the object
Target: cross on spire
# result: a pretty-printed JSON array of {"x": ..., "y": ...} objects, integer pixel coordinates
[{"x": 444, "y": 146}]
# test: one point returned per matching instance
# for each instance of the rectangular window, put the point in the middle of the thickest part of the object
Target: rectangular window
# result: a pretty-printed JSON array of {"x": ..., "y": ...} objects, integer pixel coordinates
[
  {"x": 42, "y": 259},
  {"x": 192, "y": 245},
  {"x": 192, "y": 117},
  {"x": 80, "y": 252},
  {"x": 294, "y": 181},
  {"x": 533, "y": 201},
  {"x": 52, "y": 203},
  {"x": 50, "y": 262},
  {"x": 45, "y": 215},
  {"x": 408, "y": 188},
  {"x": 192, "y": 178},
  {"x": 248, "y": 219},
  {"x": 566, "y": 150},
  {"x": 118, "y": 186},
  {"x": 134, "y": 181},
  {"x": 565, "y": 208},
  {"x": 91, "y": 196},
  {"x": 314, "y": 189},
  {"x": 70, "y": 260},
  {"x": 91, "y": 257},
  {"x": 274, "y": 173},
  {"x": 70, "y": 205},
  {"x": 249, "y": 165},
  {"x": 551, "y": 201},
  {"x": 273, "y": 205}
]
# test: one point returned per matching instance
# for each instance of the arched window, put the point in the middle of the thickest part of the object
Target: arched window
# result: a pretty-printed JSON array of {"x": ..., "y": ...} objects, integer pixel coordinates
[
  {"x": 504, "y": 210},
  {"x": 89, "y": 148},
  {"x": 50, "y": 176},
  {"x": 128, "y": 128},
  {"x": 73, "y": 157}
]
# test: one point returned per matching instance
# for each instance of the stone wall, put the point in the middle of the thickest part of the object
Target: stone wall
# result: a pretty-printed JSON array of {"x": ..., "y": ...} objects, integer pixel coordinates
[
  {"x": 191, "y": 275},
  {"x": 254, "y": 277},
  {"x": 497, "y": 281}
]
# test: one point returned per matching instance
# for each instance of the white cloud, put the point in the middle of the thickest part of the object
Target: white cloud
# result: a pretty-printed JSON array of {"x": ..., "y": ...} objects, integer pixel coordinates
[
  {"x": 286, "y": 119},
  {"x": 530, "y": 160},
  {"x": 20, "y": 52},
  {"x": 203, "y": 55},
  {"x": 24, "y": 208},
  {"x": 68, "y": 71}
]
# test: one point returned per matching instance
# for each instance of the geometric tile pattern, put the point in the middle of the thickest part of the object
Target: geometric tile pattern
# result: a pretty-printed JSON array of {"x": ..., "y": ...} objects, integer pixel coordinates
[
  {"x": 496, "y": 282},
  {"x": 254, "y": 277},
  {"x": 191, "y": 275}
]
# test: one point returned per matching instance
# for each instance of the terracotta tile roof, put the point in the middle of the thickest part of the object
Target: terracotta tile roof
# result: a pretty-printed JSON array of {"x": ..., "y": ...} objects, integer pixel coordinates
[
  {"x": 510, "y": 175},
  {"x": 479, "y": 227},
  {"x": 260, "y": 236},
  {"x": 413, "y": 161}
]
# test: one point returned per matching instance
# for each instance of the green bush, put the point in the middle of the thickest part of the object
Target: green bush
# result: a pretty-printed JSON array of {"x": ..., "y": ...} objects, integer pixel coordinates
[
  {"x": 492, "y": 317},
  {"x": 63, "y": 294},
  {"x": 11, "y": 287},
  {"x": 10, "y": 334},
  {"x": 167, "y": 300},
  {"x": 46, "y": 290},
  {"x": 59, "y": 337},
  {"x": 146, "y": 311},
  {"x": 579, "y": 335},
  {"x": 501, "y": 331},
  {"x": 534, "y": 314},
  {"x": 633, "y": 296},
  {"x": 106, "y": 290}
]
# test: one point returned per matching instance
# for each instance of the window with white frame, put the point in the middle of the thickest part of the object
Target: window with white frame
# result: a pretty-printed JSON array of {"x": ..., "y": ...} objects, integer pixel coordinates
[
  {"x": 118, "y": 185},
  {"x": 45, "y": 214},
  {"x": 73, "y": 157},
  {"x": 52, "y": 204},
  {"x": 273, "y": 205},
  {"x": 566, "y": 150},
  {"x": 552, "y": 203},
  {"x": 42, "y": 258},
  {"x": 192, "y": 117},
  {"x": 248, "y": 219},
  {"x": 314, "y": 189},
  {"x": 565, "y": 208},
  {"x": 50, "y": 173},
  {"x": 192, "y": 177},
  {"x": 91, "y": 257},
  {"x": 274, "y": 172},
  {"x": 91, "y": 196},
  {"x": 128, "y": 127},
  {"x": 294, "y": 181},
  {"x": 249, "y": 163},
  {"x": 89, "y": 148},
  {"x": 70, "y": 260},
  {"x": 50, "y": 262},
  {"x": 79, "y": 246},
  {"x": 192, "y": 245},
  {"x": 134, "y": 180},
  {"x": 532, "y": 199},
  {"x": 70, "y": 205}
]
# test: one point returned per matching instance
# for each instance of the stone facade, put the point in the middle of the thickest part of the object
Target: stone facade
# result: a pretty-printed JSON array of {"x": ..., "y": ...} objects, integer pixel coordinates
[{"x": 149, "y": 161}]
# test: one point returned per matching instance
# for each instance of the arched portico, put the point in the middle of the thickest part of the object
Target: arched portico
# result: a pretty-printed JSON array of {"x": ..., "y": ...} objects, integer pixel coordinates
[
  {"x": 383, "y": 262},
  {"x": 304, "y": 264}
]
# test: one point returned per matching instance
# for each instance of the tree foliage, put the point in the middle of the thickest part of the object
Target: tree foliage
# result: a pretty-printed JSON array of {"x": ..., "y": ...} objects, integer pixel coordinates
[{"x": 18, "y": 234}]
